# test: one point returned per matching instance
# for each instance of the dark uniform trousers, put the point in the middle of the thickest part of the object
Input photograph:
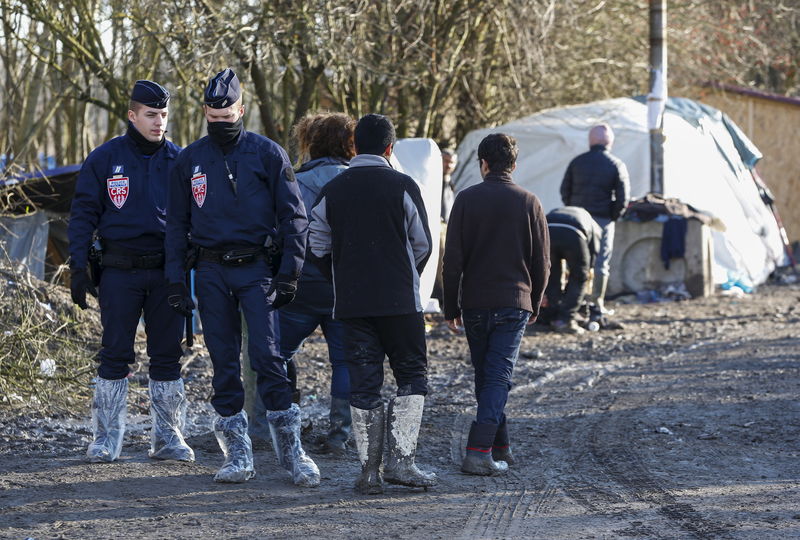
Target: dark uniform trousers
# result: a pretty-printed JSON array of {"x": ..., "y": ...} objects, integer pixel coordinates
[
  {"x": 124, "y": 296},
  {"x": 566, "y": 244},
  {"x": 221, "y": 292},
  {"x": 368, "y": 340}
]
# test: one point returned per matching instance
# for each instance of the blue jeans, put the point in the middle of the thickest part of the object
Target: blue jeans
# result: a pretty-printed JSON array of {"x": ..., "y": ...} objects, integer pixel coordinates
[
  {"x": 602, "y": 265},
  {"x": 296, "y": 327},
  {"x": 494, "y": 336}
]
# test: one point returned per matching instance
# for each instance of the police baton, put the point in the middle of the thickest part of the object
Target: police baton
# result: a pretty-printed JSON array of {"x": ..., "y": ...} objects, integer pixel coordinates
[{"x": 190, "y": 316}]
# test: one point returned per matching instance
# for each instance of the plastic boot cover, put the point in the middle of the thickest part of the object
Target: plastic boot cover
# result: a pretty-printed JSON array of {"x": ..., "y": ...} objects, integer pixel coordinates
[
  {"x": 368, "y": 431},
  {"x": 405, "y": 415},
  {"x": 501, "y": 449},
  {"x": 109, "y": 412},
  {"x": 168, "y": 412},
  {"x": 231, "y": 432},
  {"x": 285, "y": 429},
  {"x": 340, "y": 422}
]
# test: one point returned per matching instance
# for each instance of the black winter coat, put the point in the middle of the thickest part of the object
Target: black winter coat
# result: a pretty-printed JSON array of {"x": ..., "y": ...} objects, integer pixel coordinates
[{"x": 597, "y": 181}]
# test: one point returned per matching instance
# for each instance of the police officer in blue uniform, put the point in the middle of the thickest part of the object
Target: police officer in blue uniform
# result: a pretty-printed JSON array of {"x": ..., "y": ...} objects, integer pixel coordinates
[
  {"x": 232, "y": 193},
  {"x": 121, "y": 197}
]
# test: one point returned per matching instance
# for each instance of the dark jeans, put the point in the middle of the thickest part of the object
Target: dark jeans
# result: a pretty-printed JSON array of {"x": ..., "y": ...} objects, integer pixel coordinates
[
  {"x": 368, "y": 340},
  {"x": 124, "y": 296},
  {"x": 494, "y": 336},
  {"x": 221, "y": 292},
  {"x": 567, "y": 245},
  {"x": 296, "y": 327}
]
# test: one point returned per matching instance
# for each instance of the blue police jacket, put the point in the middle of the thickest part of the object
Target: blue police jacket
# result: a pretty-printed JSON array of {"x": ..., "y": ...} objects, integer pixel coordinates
[
  {"x": 260, "y": 199},
  {"x": 122, "y": 194},
  {"x": 315, "y": 291}
]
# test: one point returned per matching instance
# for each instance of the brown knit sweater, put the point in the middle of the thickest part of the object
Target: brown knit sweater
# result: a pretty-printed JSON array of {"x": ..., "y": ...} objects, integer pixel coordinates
[{"x": 497, "y": 252}]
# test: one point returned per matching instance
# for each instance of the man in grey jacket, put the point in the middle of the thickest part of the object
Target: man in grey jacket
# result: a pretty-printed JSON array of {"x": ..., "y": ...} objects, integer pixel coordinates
[{"x": 369, "y": 231}]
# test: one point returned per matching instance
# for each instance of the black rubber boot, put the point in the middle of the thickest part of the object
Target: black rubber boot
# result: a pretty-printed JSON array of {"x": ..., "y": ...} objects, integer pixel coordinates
[
  {"x": 478, "y": 459},
  {"x": 405, "y": 415},
  {"x": 368, "y": 430},
  {"x": 501, "y": 449},
  {"x": 339, "y": 431}
]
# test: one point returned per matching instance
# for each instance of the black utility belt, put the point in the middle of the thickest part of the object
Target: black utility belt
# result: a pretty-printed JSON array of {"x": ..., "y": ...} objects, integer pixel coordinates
[
  {"x": 150, "y": 261},
  {"x": 232, "y": 257}
]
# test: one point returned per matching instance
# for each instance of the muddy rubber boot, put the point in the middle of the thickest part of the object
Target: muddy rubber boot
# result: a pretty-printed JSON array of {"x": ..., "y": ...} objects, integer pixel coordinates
[
  {"x": 368, "y": 431},
  {"x": 109, "y": 413},
  {"x": 168, "y": 413},
  {"x": 339, "y": 431},
  {"x": 501, "y": 449},
  {"x": 284, "y": 426},
  {"x": 231, "y": 433},
  {"x": 405, "y": 415},
  {"x": 478, "y": 459}
]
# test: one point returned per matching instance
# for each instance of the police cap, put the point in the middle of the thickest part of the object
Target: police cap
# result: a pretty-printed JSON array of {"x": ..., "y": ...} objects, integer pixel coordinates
[
  {"x": 150, "y": 93},
  {"x": 222, "y": 90}
]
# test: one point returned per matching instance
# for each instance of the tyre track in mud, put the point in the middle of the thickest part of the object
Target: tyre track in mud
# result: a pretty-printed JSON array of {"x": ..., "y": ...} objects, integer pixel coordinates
[
  {"x": 510, "y": 503},
  {"x": 606, "y": 475},
  {"x": 507, "y": 501},
  {"x": 603, "y": 474}
]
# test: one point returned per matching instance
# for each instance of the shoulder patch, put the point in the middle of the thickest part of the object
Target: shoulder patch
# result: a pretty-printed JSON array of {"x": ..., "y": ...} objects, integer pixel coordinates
[{"x": 288, "y": 172}]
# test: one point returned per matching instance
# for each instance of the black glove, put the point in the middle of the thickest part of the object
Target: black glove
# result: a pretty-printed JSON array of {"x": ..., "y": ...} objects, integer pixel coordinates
[
  {"x": 284, "y": 292},
  {"x": 79, "y": 285},
  {"x": 179, "y": 299}
]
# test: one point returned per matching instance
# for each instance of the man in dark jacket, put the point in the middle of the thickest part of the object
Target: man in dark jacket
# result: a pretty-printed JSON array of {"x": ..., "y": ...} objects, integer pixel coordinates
[
  {"x": 598, "y": 181},
  {"x": 370, "y": 230},
  {"x": 121, "y": 195},
  {"x": 574, "y": 239},
  {"x": 497, "y": 254},
  {"x": 228, "y": 192}
]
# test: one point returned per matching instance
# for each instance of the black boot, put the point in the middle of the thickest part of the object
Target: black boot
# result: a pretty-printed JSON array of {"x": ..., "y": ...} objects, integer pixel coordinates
[
  {"x": 501, "y": 449},
  {"x": 368, "y": 430},
  {"x": 478, "y": 459},
  {"x": 405, "y": 415},
  {"x": 339, "y": 431}
]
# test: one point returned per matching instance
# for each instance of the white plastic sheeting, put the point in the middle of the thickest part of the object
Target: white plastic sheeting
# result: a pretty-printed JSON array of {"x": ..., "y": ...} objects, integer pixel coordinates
[
  {"x": 701, "y": 167},
  {"x": 23, "y": 240},
  {"x": 421, "y": 159}
]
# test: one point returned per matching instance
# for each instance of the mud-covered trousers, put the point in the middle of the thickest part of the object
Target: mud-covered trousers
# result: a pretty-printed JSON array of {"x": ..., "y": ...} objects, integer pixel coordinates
[
  {"x": 368, "y": 340},
  {"x": 494, "y": 336},
  {"x": 124, "y": 296},
  {"x": 221, "y": 292}
]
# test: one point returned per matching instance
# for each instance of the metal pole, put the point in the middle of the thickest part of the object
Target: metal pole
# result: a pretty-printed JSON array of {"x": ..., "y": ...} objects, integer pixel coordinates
[{"x": 658, "y": 65}]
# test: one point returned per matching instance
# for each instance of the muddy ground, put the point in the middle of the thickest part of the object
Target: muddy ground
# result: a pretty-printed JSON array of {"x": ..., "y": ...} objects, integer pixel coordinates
[{"x": 686, "y": 424}]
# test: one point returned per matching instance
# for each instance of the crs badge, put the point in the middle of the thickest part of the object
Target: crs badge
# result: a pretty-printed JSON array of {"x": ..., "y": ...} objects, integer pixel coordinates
[
  {"x": 199, "y": 187},
  {"x": 118, "y": 187}
]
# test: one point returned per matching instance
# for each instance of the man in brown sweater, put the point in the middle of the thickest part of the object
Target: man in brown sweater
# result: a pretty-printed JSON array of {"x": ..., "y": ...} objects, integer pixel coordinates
[{"x": 497, "y": 255}]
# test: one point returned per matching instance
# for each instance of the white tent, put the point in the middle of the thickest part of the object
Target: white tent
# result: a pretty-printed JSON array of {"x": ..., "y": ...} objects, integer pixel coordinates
[{"x": 702, "y": 167}]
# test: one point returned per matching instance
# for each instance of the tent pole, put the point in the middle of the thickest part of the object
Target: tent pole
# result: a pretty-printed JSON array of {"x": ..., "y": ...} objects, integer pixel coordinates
[{"x": 658, "y": 91}]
